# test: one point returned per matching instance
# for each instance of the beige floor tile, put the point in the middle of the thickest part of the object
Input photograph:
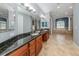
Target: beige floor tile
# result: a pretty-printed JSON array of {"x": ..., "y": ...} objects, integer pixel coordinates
[{"x": 59, "y": 45}]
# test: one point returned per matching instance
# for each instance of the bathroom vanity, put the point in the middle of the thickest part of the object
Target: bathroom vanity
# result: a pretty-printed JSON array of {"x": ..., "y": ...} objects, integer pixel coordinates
[{"x": 27, "y": 44}]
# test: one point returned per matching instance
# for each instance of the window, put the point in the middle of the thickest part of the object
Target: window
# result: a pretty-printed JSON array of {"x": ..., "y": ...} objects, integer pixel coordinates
[
  {"x": 44, "y": 24},
  {"x": 60, "y": 24},
  {"x": 2, "y": 25}
]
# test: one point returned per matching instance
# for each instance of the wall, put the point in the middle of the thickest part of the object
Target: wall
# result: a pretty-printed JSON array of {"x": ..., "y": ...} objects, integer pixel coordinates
[
  {"x": 71, "y": 23},
  {"x": 20, "y": 23},
  {"x": 76, "y": 24},
  {"x": 27, "y": 23}
]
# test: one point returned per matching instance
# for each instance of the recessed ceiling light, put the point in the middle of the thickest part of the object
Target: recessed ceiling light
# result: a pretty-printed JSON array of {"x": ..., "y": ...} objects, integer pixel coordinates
[
  {"x": 58, "y": 6},
  {"x": 70, "y": 7},
  {"x": 27, "y": 4},
  {"x": 42, "y": 16}
]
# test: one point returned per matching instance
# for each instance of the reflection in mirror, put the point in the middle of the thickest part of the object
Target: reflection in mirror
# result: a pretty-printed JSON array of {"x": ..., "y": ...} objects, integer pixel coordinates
[
  {"x": 3, "y": 23},
  {"x": 38, "y": 23},
  {"x": 3, "y": 19},
  {"x": 35, "y": 24}
]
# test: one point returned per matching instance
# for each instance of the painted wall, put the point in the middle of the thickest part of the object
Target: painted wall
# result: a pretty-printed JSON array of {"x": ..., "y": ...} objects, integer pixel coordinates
[
  {"x": 71, "y": 23},
  {"x": 76, "y": 24},
  {"x": 27, "y": 23}
]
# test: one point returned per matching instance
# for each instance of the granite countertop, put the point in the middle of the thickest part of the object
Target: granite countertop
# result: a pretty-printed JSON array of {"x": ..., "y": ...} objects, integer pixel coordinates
[
  {"x": 11, "y": 45},
  {"x": 16, "y": 42}
]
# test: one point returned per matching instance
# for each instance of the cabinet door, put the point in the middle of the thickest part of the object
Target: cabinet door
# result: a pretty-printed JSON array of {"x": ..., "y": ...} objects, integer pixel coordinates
[
  {"x": 38, "y": 44},
  {"x": 45, "y": 36},
  {"x": 32, "y": 48},
  {"x": 20, "y": 51}
]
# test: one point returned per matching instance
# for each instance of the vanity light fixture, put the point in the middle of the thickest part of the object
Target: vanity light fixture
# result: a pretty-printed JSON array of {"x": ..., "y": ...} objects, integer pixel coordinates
[
  {"x": 58, "y": 7},
  {"x": 70, "y": 7},
  {"x": 34, "y": 10},
  {"x": 27, "y": 4},
  {"x": 29, "y": 7}
]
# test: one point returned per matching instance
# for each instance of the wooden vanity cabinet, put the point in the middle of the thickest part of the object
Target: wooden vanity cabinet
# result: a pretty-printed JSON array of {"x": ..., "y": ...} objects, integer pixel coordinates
[
  {"x": 32, "y": 48},
  {"x": 35, "y": 46},
  {"x": 22, "y": 51},
  {"x": 38, "y": 44},
  {"x": 45, "y": 36}
]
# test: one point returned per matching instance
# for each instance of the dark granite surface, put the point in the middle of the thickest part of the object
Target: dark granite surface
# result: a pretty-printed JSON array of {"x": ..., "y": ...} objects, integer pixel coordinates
[{"x": 16, "y": 42}]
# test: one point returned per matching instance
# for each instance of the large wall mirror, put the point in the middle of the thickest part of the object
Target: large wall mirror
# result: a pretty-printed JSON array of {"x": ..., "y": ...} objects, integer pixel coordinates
[
  {"x": 3, "y": 19},
  {"x": 3, "y": 23}
]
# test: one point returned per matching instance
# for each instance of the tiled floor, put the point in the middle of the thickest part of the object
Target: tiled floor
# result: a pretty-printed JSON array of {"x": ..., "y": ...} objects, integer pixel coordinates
[{"x": 59, "y": 45}]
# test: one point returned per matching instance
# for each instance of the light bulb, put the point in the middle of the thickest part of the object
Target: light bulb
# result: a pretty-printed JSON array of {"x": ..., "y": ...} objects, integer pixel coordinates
[{"x": 58, "y": 6}]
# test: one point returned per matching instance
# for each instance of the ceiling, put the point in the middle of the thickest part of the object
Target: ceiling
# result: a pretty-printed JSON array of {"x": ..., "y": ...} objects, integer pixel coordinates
[{"x": 56, "y": 9}]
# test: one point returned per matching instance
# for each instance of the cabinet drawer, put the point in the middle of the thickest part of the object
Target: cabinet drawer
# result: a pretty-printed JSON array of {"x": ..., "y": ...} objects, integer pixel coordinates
[{"x": 45, "y": 36}]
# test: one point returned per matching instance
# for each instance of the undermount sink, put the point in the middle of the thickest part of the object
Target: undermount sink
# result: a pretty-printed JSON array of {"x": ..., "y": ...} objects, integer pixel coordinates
[
  {"x": 45, "y": 30},
  {"x": 37, "y": 31},
  {"x": 35, "y": 34}
]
